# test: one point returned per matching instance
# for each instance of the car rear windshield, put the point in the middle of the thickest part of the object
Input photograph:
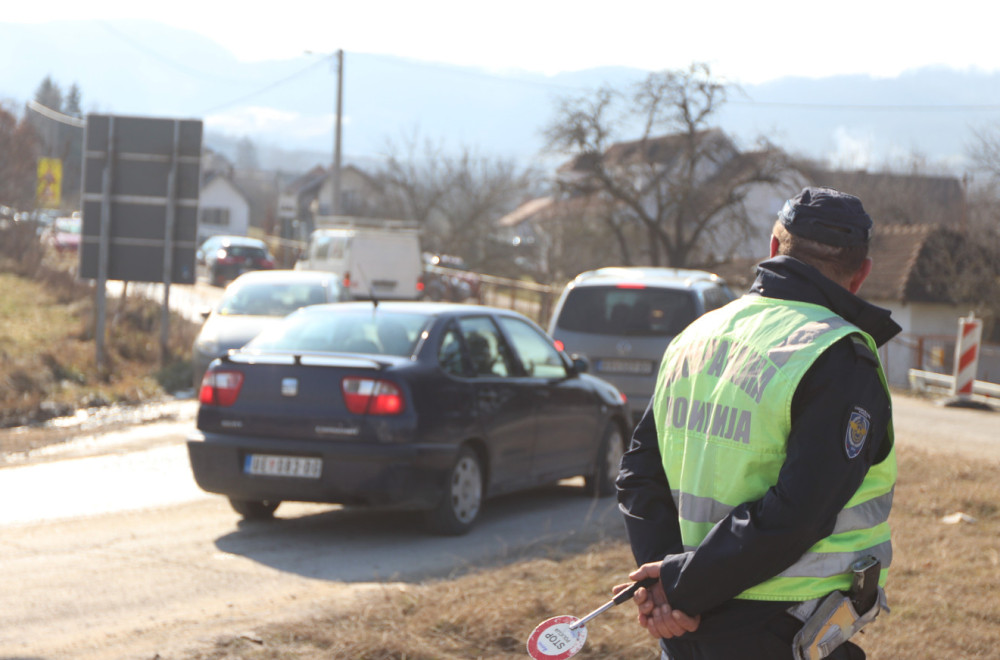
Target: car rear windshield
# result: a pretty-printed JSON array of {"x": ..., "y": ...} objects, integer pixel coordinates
[
  {"x": 271, "y": 299},
  {"x": 338, "y": 331},
  {"x": 632, "y": 312},
  {"x": 246, "y": 251}
]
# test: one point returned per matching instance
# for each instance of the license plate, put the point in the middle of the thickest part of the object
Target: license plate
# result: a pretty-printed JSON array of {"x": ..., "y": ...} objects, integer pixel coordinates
[
  {"x": 283, "y": 466},
  {"x": 613, "y": 366}
]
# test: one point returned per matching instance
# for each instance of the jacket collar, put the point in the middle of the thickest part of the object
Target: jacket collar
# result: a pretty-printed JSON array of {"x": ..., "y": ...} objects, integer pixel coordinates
[{"x": 790, "y": 279}]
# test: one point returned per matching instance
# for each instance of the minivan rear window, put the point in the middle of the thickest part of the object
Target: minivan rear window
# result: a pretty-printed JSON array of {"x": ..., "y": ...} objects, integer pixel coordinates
[{"x": 644, "y": 312}]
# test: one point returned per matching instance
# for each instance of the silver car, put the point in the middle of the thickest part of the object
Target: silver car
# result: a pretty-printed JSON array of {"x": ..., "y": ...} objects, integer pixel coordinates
[
  {"x": 252, "y": 302},
  {"x": 621, "y": 320}
]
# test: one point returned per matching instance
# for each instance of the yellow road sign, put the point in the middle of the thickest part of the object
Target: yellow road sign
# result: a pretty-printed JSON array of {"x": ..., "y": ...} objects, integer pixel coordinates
[{"x": 49, "y": 191}]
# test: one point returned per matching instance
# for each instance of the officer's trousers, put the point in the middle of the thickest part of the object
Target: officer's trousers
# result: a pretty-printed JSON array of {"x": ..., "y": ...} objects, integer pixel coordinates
[{"x": 772, "y": 642}]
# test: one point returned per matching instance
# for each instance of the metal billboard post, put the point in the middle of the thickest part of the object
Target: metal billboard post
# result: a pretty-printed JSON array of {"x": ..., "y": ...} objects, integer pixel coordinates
[
  {"x": 141, "y": 182},
  {"x": 105, "y": 234},
  {"x": 168, "y": 239}
]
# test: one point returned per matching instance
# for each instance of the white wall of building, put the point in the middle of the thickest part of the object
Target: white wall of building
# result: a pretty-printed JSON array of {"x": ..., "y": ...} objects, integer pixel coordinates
[
  {"x": 220, "y": 199},
  {"x": 925, "y": 327}
]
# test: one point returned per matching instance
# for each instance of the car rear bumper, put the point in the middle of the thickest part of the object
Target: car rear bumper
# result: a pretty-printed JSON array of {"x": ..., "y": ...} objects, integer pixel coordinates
[{"x": 354, "y": 473}]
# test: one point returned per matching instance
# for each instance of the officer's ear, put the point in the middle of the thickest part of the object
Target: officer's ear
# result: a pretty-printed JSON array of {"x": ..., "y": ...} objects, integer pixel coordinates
[
  {"x": 860, "y": 276},
  {"x": 774, "y": 246}
]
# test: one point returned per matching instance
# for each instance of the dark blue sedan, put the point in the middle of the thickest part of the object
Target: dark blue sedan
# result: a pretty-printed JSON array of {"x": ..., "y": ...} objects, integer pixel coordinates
[{"x": 429, "y": 406}]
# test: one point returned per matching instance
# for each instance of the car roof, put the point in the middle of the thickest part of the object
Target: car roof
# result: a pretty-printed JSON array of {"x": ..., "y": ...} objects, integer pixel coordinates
[
  {"x": 679, "y": 278},
  {"x": 235, "y": 240},
  {"x": 288, "y": 275},
  {"x": 424, "y": 307}
]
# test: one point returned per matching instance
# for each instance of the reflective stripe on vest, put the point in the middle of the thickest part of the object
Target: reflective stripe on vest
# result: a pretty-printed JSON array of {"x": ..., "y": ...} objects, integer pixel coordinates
[{"x": 722, "y": 408}]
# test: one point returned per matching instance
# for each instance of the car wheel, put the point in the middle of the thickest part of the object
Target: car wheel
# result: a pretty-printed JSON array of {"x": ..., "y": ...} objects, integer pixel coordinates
[
  {"x": 463, "y": 496},
  {"x": 254, "y": 509},
  {"x": 609, "y": 456}
]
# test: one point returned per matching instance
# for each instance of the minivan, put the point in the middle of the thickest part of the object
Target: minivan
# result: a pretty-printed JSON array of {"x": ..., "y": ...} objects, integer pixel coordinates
[
  {"x": 373, "y": 262},
  {"x": 622, "y": 318}
]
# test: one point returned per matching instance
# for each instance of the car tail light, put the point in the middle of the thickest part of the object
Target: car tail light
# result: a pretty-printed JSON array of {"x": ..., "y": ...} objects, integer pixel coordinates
[
  {"x": 420, "y": 286},
  {"x": 372, "y": 396},
  {"x": 627, "y": 285},
  {"x": 624, "y": 398},
  {"x": 347, "y": 280},
  {"x": 220, "y": 388},
  {"x": 265, "y": 264}
]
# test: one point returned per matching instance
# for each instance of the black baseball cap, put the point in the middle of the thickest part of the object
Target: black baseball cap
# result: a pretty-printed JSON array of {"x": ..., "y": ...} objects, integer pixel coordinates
[{"x": 827, "y": 216}]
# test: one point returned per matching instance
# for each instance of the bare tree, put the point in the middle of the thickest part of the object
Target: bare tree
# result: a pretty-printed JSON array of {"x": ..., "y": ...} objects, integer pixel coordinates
[
  {"x": 682, "y": 184},
  {"x": 246, "y": 155},
  {"x": 18, "y": 161},
  {"x": 455, "y": 198},
  {"x": 481, "y": 189},
  {"x": 414, "y": 179}
]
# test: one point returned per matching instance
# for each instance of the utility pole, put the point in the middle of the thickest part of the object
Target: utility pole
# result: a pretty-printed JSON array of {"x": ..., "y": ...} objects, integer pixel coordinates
[{"x": 336, "y": 133}]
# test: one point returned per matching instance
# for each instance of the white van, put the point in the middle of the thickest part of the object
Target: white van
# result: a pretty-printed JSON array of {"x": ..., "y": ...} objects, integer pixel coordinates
[{"x": 383, "y": 262}]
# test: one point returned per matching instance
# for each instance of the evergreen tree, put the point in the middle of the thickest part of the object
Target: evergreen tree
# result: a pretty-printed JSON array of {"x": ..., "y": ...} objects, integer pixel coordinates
[
  {"x": 49, "y": 94},
  {"x": 73, "y": 102}
]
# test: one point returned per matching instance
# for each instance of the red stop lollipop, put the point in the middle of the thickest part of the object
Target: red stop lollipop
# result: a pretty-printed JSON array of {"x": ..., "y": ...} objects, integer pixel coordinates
[{"x": 563, "y": 636}]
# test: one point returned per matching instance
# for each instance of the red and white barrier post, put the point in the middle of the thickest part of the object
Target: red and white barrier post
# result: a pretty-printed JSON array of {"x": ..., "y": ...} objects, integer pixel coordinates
[{"x": 970, "y": 332}]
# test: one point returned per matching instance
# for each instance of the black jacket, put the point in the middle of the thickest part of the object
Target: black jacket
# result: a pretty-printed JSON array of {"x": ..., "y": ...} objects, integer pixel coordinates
[{"x": 759, "y": 539}]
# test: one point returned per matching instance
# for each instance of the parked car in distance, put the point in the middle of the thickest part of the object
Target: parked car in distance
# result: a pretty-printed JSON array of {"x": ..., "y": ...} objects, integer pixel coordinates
[
  {"x": 64, "y": 234},
  {"x": 427, "y": 406},
  {"x": 446, "y": 277},
  {"x": 621, "y": 320},
  {"x": 221, "y": 259},
  {"x": 253, "y": 301}
]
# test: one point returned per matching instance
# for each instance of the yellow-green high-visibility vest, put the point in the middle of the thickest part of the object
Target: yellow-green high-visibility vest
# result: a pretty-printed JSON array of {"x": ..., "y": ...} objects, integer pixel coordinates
[{"x": 723, "y": 414}]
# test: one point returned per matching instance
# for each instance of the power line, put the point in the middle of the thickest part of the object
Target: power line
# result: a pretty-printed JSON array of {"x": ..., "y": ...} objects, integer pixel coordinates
[
  {"x": 163, "y": 59},
  {"x": 266, "y": 88},
  {"x": 879, "y": 107},
  {"x": 467, "y": 73}
]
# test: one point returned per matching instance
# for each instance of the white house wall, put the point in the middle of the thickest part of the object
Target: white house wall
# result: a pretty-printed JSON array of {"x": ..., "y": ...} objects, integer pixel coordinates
[
  {"x": 924, "y": 326},
  {"x": 221, "y": 194}
]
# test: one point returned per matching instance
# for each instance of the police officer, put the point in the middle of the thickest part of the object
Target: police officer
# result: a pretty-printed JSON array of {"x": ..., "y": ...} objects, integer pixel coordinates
[{"x": 764, "y": 465}]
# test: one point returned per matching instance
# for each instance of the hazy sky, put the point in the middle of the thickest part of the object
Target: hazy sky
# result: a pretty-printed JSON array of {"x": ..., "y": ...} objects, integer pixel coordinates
[{"x": 744, "y": 42}]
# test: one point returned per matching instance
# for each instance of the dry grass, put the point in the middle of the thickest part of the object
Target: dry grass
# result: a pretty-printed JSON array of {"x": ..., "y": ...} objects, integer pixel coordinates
[
  {"x": 47, "y": 350},
  {"x": 941, "y": 593}
]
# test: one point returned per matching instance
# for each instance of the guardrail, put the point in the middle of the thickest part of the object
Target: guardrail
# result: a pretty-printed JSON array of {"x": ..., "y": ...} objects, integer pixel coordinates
[{"x": 923, "y": 381}]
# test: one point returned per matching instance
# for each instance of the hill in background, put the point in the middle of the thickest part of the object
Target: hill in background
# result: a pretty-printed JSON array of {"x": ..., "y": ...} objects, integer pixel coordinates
[{"x": 286, "y": 107}]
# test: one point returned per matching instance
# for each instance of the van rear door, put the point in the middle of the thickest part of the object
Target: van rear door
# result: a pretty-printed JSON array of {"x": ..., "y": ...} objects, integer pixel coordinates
[{"x": 384, "y": 263}]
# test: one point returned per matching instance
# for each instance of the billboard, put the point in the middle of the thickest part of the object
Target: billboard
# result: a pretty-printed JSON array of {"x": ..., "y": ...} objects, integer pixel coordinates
[{"x": 141, "y": 179}]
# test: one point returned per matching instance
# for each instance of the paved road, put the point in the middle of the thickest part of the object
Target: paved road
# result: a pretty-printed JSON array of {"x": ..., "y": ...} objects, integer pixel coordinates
[{"x": 111, "y": 551}]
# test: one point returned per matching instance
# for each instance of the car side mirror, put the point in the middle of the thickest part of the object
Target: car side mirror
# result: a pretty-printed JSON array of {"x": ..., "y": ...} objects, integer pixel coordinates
[
  {"x": 580, "y": 363},
  {"x": 204, "y": 312}
]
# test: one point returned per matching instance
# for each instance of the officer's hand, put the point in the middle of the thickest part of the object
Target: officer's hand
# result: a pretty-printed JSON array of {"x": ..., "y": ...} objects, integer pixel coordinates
[{"x": 655, "y": 613}]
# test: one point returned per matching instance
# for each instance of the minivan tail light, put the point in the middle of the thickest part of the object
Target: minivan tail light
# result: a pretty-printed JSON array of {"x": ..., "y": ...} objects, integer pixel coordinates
[
  {"x": 347, "y": 280},
  {"x": 371, "y": 396},
  {"x": 627, "y": 285},
  {"x": 220, "y": 388}
]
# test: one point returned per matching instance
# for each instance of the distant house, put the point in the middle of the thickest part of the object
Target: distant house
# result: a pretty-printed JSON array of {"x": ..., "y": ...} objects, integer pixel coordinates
[
  {"x": 310, "y": 197},
  {"x": 222, "y": 208},
  {"x": 581, "y": 226},
  {"x": 900, "y": 199},
  {"x": 925, "y": 275}
]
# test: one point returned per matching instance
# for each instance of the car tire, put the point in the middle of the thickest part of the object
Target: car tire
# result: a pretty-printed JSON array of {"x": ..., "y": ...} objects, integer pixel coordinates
[
  {"x": 254, "y": 509},
  {"x": 609, "y": 455},
  {"x": 463, "y": 496}
]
